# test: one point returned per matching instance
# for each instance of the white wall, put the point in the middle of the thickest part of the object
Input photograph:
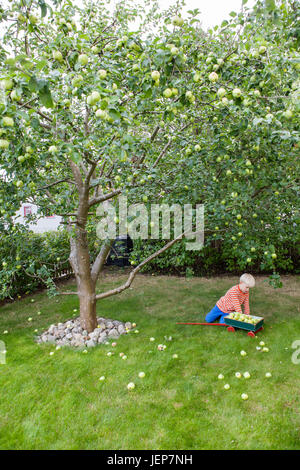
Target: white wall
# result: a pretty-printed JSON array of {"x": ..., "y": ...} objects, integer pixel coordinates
[{"x": 43, "y": 224}]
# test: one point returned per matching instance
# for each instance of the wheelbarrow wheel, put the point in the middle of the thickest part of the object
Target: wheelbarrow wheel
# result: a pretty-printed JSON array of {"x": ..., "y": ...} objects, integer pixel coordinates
[
  {"x": 251, "y": 333},
  {"x": 231, "y": 328}
]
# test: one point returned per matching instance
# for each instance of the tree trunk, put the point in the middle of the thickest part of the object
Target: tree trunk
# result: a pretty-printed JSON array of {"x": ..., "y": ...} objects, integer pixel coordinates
[
  {"x": 86, "y": 276},
  {"x": 86, "y": 287},
  {"x": 87, "y": 301}
]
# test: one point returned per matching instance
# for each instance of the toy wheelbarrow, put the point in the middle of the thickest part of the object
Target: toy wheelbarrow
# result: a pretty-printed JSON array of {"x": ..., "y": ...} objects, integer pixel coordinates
[{"x": 232, "y": 324}]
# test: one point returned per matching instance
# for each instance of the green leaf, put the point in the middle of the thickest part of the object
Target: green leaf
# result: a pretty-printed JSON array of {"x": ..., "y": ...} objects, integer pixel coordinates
[
  {"x": 35, "y": 123},
  {"x": 33, "y": 84},
  {"x": 270, "y": 5},
  {"x": 45, "y": 97},
  {"x": 43, "y": 8},
  {"x": 41, "y": 64},
  {"x": 114, "y": 114},
  {"x": 23, "y": 115},
  {"x": 76, "y": 157},
  {"x": 10, "y": 61}
]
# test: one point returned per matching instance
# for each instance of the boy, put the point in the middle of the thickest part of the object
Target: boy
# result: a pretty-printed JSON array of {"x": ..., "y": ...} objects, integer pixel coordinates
[{"x": 233, "y": 299}]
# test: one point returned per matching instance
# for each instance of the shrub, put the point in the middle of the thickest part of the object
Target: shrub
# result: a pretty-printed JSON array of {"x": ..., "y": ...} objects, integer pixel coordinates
[{"x": 29, "y": 260}]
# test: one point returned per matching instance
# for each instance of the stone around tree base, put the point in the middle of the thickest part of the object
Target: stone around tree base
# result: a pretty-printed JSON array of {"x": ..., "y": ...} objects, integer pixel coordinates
[{"x": 70, "y": 333}]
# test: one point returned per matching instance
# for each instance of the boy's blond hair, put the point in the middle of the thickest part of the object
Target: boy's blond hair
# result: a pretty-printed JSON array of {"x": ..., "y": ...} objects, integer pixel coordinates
[{"x": 247, "y": 279}]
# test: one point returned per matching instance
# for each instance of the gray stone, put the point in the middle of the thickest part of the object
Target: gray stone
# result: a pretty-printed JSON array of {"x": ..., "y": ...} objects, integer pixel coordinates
[
  {"x": 102, "y": 338},
  {"x": 77, "y": 336},
  {"x": 72, "y": 334},
  {"x": 95, "y": 334},
  {"x": 50, "y": 339},
  {"x": 113, "y": 333},
  {"x": 121, "y": 329}
]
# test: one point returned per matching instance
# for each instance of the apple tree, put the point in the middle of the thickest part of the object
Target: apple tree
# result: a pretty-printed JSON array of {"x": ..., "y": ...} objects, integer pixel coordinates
[{"x": 91, "y": 109}]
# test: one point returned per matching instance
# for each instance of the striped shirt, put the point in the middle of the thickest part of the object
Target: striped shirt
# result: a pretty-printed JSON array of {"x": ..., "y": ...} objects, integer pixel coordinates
[{"x": 233, "y": 299}]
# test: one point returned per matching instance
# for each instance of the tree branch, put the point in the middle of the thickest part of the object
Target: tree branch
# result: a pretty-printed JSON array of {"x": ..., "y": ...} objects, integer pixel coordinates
[
  {"x": 105, "y": 197},
  {"x": 133, "y": 273},
  {"x": 77, "y": 175},
  {"x": 26, "y": 105},
  {"x": 55, "y": 183},
  {"x": 101, "y": 259},
  {"x": 163, "y": 152}
]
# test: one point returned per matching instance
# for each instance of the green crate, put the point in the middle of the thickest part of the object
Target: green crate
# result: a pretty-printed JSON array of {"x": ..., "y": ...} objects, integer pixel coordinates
[{"x": 244, "y": 325}]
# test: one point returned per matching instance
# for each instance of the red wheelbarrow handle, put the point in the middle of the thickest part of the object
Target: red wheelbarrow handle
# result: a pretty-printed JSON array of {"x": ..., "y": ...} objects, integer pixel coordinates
[{"x": 207, "y": 324}]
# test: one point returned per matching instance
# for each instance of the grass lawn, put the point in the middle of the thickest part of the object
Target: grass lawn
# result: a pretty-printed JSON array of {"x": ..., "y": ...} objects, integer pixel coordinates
[{"x": 58, "y": 402}]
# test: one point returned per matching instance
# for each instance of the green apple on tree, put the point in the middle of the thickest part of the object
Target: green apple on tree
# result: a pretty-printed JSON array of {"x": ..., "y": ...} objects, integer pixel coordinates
[
  {"x": 102, "y": 74},
  {"x": 221, "y": 92},
  {"x": 57, "y": 55},
  {"x": 167, "y": 93},
  {"x": 6, "y": 84},
  {"x": 83, "y": 59},
  {"x": 4, "y": 144},
  {"x": 77, "y": 81},
  {"x": 177, "y": 21},
  {"x": 155, "y": 75},
  {"x": 236, "y": 93},
  {"x": 213, "y": 77},
  {"x": 7, "y": 121}
]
